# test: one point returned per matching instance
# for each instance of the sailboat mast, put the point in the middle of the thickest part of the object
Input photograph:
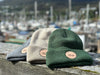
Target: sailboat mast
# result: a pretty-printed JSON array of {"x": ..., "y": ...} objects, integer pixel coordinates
[
  {"x": 70, "y": 8},
  {"x": 51, "y": 13},
  {"x": 35, "y": 9},
  {"x": 87, "y": 14},
  {"x": 99, "y": 11}
]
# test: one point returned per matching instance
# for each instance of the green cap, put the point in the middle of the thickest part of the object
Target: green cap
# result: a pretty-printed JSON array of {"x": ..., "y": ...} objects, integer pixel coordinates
[{"x": 65, "y": 49}]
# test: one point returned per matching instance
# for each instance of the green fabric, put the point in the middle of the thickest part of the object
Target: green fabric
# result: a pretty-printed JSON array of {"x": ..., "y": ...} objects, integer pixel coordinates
[
  {"x": 62, "y": 41},
  {"x": 16, "y": 41}
]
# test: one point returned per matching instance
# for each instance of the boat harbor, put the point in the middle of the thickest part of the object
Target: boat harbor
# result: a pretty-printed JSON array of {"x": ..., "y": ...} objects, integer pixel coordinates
[
  {"x": 50, "y": 37},
  {"x": 17, "y": 28}
]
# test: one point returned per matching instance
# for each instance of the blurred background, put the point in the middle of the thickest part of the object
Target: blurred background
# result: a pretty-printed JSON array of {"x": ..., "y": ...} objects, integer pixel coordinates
[{"x": 20, "y": 18}]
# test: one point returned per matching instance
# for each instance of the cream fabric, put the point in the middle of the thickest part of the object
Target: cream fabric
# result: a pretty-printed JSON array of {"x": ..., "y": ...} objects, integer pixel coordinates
[{"x": 39, "y": 40}]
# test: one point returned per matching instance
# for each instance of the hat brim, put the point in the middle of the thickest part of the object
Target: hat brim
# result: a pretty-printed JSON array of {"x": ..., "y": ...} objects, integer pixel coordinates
[
  {"x": 56, "y": 58},
  {"x": 17, "y": 54},
  {"x": 33, "y": 55}
]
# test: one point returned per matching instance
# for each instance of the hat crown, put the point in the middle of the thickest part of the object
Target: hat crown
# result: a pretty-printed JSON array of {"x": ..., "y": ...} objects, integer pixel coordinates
[
  {"x": 41, "y": 36},
  {"x": 66, "y": 39}
]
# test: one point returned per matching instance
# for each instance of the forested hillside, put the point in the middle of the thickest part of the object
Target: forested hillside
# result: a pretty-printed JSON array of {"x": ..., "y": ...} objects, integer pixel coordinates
[{"x": 44, "y": 4}]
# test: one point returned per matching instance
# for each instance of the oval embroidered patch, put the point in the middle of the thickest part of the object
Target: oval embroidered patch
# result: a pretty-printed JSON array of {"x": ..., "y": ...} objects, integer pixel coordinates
[
  {"x": 70, "y": 54},
  {"x": 43, "y": 52},
  {"x": 24, "y": 50}
]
